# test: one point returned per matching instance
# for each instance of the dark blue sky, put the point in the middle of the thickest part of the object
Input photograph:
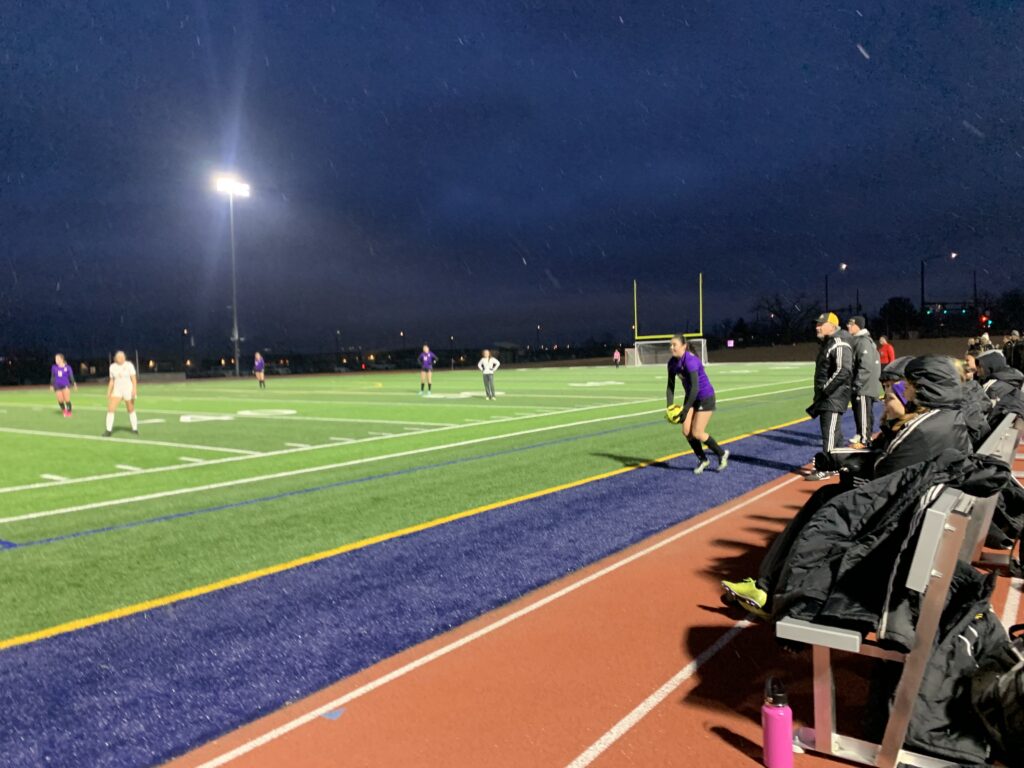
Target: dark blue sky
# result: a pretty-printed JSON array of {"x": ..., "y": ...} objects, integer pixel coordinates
[{"x": 479, "y": 167}]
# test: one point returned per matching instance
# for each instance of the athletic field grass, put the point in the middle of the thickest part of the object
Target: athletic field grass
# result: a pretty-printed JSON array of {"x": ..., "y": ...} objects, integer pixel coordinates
[{"x": 226, "y": 479}]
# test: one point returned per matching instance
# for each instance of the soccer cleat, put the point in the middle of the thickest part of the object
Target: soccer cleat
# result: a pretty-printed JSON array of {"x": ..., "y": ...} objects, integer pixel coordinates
[
  {"x": 724, "y": 461},
  {"x": 108, "y": 433},
  {"x": 854, "y": 440},
  {"x": 818, "y": 476},
  {"x": 749, "y": 595},
  {"x": 701, "y": 466},
  {"x": 135, "y": 431}
]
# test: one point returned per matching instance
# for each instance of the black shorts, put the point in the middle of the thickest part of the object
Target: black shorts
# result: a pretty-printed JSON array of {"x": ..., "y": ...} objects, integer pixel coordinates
[{"x": 707, "y": 404}]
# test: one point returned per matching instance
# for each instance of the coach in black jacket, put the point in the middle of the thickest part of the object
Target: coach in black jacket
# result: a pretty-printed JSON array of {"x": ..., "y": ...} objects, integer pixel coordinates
[{"x": 833, "y": 373}]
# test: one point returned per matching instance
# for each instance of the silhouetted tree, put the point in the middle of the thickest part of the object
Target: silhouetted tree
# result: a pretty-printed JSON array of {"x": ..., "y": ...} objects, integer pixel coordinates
[
  {"x": 898, "y": 315},
  {"x": 793, "y": 318}
]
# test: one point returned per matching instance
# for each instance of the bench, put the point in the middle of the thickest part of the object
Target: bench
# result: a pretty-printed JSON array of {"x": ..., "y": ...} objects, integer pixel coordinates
[{"x": 953, "y": 528}]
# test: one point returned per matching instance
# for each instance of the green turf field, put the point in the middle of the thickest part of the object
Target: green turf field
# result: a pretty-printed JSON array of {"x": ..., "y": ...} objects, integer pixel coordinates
[{"x": 257, "y": 478}]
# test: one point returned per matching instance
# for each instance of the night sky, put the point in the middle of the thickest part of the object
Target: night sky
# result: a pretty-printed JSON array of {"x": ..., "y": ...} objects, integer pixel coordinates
[{"x": 478, "y": 167}]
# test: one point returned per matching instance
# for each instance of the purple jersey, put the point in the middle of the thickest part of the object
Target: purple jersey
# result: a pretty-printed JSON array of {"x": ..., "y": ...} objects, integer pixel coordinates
[
  {"x": 258, "y": 365},
  {"x": 61, "y": 376},
  {"x": 683, "y": 366},
  {"x": 427, "y": 360}
]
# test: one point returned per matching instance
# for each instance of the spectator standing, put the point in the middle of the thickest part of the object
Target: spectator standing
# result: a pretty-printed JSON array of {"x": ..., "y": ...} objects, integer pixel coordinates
[{"x": 886, "y": 351}]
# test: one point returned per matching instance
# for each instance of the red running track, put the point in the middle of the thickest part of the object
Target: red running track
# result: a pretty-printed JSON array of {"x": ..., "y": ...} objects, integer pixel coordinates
[{"x": 632, "y": 661}]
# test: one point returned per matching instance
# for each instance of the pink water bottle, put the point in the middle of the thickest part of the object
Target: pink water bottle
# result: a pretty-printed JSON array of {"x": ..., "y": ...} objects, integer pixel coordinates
[{"x": 777, "y": 726}]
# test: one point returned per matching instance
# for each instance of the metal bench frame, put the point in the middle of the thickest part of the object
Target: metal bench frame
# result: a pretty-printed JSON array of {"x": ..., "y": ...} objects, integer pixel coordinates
[{"x": 954, "y": 528}]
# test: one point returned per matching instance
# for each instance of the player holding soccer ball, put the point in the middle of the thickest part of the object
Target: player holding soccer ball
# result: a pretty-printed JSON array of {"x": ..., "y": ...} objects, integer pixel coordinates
[{"x": 698, "y": 404}]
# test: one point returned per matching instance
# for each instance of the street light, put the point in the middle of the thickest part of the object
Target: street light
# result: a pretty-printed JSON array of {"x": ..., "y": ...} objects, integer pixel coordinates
[
  {"x": 843, "y": 266},
  {"x": 233, "y": 187},
  {"x": 952, "y": 257}
]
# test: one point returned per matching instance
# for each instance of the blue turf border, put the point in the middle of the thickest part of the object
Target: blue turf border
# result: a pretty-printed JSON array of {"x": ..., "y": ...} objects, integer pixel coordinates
[{"x": 146, "y": 688}]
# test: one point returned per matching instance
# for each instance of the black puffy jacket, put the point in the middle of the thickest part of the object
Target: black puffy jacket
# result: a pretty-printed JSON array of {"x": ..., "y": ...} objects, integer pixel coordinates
[
  {"x": 999, "y": 377},
  {"x": 833, "y": 375}
]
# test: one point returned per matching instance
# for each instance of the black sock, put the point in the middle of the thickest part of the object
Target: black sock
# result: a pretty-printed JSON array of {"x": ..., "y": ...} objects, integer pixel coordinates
[
  {"x": 63, "y": 407},
  {"x": 69, "y": 406},
  {"x": 715, "y": 447},
  {"x": 698, "y": 450},
  {"x": 422, "y": 385},
  {"x": 430, "y": 387}
]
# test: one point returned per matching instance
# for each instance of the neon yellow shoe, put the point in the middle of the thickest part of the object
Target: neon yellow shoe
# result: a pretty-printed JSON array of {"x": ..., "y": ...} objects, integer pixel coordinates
[{"x": 749, "y": 595}]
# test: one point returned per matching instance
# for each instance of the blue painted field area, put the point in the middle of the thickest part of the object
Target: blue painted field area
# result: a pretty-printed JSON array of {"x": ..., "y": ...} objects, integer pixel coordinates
[{"x": 143, "y": 689}]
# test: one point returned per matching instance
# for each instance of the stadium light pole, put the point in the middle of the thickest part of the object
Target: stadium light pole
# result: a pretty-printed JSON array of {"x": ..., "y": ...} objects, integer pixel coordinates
[
  {"x": 952, "y": 257},
  {"x": 232, "y": 186},
  {"x": 843, "y": 266}
]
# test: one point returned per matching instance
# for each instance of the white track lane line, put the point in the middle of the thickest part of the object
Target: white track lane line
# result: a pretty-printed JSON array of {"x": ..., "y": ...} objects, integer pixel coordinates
[
  {"x": 412, "y": 666},
  {"x": 309, "y": 470},
  {"x": 337, "y": 443},
  {"x": 131, "y": 441},
  {"x": 621, "y": 728}
]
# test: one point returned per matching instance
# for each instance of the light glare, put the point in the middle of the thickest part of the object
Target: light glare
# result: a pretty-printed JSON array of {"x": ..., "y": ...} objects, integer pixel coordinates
[{"x": 230, "y": 185}]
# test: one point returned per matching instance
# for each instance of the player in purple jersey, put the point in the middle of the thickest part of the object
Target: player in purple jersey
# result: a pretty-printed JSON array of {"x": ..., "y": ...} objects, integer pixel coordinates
[
  {"x": 259, "y": 366},
  {"x": 427, "y": 360},
  {"x": 698, "y": 403},
  {"x": 62, "y": 379}
]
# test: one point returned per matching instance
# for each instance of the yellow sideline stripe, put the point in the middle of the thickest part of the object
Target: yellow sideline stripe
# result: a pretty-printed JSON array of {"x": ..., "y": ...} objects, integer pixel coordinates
[{"x": 270, "y": 570}]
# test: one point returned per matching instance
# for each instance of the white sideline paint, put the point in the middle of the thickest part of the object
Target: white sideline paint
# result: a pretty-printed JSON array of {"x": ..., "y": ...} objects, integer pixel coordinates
[
  {"x": 320, "y": 468},
  {"x": 55, "y": 478},
  {"x": 471, "y": 423},
  {"x": 193, "y": 460},
  {"x": 297, "y": 445},
  {"x": 1012, "y": 607},
  {"x": 128, "y": 468},
  {"x": 131, "y": 441},
  {"x": 412, "y": 666},
  {"x": 617, "y": 731},
  {"x": 344, "y": 439},
  {"x": 150, "y": 421}
]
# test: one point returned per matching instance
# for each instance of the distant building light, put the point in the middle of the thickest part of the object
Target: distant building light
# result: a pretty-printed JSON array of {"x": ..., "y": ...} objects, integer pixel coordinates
[
  {"x": 152, "y": 363},
  {"x": 188, "y": 362},
  {"x": 730, "y": 343},
  {"x": 223, "y": 361}
]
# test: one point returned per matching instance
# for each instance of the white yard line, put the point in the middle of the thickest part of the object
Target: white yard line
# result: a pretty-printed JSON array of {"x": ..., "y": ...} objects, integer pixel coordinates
[
  {"x": 319, "y": 468},
  {"x": 128, "y": 468},
  {"x": 344, "y": 439},
  {"x": 192, "y": 460},
  {"x": 337, "y": 442},
  {"x": 618, "y": 562},
  {"x": 132, "y": 441},
  {"x": 268, "y": 417},
  {"x": 55, "y": 478},
  {"x": 297, "y": 445}
]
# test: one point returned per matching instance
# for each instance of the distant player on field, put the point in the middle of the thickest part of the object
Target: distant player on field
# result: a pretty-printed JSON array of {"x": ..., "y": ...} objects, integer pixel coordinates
[
  {"x": 123, "y": 385},
  {"x": 62, "y": 378},
  {"x": 616, "y": 357},
  {"x": 488, "y": 365},
  {"x": 427, "y": 361},
  {"x": 698, "y": 405},
  {"x": 259, "y": 366}
]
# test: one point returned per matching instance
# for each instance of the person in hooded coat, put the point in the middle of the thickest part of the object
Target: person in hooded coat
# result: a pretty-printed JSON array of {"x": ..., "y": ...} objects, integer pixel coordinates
[
  {"x": 933, "y": 423},
  {"x": 997, "y": 377}
]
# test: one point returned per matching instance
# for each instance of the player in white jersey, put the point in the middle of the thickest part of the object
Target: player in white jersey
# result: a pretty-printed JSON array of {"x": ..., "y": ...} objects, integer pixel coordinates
[{"x": 123, "y": 385}]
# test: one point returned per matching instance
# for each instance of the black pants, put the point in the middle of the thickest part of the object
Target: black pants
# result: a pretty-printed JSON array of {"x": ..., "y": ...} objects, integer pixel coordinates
[
  {"x": 864, "y": 416},
  {"x": 831, "y": 431}
]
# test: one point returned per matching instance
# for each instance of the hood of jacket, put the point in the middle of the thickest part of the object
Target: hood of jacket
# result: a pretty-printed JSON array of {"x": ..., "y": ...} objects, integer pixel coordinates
[
  {"x": 936, "y": 381},
  {"x": 895, "y": 370}
]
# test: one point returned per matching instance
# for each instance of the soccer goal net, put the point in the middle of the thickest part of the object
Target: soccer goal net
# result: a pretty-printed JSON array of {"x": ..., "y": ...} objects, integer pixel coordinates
[{"x": 657, "y": 352}]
